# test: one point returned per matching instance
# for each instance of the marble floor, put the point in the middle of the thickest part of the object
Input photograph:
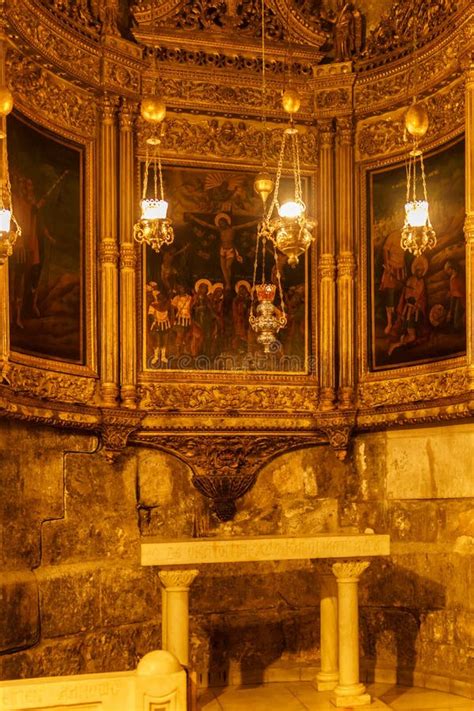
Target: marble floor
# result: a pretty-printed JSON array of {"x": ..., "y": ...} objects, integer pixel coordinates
[{"x": 302, "y": 696}]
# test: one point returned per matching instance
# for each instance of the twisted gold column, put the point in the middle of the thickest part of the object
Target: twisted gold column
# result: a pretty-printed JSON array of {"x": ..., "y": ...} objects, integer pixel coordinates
[
  {"x": 327, "y": 266},
  {"x": 128, "y": 329},
  {"x": 345, "y": 261},
  {"x": 469, "y": 223},
  {"x": 108, "y": 256}
]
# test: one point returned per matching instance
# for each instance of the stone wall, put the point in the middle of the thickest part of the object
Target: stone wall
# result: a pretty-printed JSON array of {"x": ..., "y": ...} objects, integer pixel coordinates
[{"x": 74, "y": 598}]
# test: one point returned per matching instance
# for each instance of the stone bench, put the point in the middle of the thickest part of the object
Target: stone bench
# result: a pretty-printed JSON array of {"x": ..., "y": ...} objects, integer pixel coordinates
[
  {"x": 339, "y": 592},
  {"x": 159, "y": 682}
]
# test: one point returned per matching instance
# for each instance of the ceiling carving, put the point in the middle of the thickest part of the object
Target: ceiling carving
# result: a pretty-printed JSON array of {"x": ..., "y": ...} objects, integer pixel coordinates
[{"x": 332, "y": 29}]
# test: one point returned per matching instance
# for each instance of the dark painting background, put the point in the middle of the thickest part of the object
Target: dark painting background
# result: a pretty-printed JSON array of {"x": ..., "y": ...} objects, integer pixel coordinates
[
  {"x": 440, "y": 333},
  {"x": 218, "y": 336},
  {"x": 45, "y": 268}
]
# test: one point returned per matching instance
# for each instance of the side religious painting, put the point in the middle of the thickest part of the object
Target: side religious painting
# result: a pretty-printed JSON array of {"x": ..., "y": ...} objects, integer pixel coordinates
[
  {"x": 198, "y": 291},
  {"x": 418, "y": 304},
  {"x": 46, "y": 291}
]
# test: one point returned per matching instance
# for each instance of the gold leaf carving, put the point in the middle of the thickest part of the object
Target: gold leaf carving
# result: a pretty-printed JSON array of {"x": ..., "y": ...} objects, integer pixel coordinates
[
  {"x": 217, "y": 93},
  {"x": 55, "y": 99},
  {"x": 227, "y": 139},
  {"x": 384, "y": 136},
  {"x": 71, "y": 54},
  {"x": 214, "y": 398},
  {"x": 51, "y": 386},
  {"x": 395, "y": 30},
  {"x": 122, "y": 77},
  {"x": 409, "y": 390},
  {"x": 333, "y": 99}
]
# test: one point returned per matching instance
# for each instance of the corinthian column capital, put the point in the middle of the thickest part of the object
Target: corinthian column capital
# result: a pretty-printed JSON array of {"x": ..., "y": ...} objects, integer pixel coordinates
[
  {"x": 349, "y": 571},
  {"x": 177, "y": 580}
]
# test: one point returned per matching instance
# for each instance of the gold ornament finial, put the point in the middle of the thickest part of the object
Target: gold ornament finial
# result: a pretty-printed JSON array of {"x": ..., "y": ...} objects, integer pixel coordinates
[
  {"x": 291, "y": 101},
  {"x": 6, "y": 101},
  {"x": 153, "y": 110},
  {"x": 263, "y": 185},
  {"x": 417, "y": 120}
]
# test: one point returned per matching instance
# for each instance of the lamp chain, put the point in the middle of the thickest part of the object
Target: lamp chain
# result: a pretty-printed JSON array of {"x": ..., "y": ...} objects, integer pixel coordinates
[{"x": 145, "y": 177}]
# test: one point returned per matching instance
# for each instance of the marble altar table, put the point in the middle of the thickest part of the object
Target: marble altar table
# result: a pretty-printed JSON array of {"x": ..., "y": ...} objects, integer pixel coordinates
[{"x": 346, "y": 556}]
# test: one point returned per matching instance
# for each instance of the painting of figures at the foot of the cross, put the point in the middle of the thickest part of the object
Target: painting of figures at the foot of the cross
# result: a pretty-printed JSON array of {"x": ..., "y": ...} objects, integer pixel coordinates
[
  {"x": 418, "y": 303},
  {"x": 198, "y": 290}
]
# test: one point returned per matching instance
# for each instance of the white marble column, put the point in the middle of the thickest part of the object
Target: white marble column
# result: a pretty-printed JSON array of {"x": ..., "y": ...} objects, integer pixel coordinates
[
  {"x": 349, "y": 692},
  {"x": 175, "y": 611},
  {"x": 328, "y": 677}
]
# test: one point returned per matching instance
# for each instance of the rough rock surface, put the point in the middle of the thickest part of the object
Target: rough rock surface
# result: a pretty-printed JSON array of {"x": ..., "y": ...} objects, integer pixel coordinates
[{"x": 75, "y": 599}]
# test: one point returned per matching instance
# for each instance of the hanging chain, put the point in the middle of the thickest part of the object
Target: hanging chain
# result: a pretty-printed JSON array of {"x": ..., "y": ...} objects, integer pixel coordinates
[
  {"x": 145, "y": 177},
  {"x": 274, "y": 202},
  {"x": 423, "y": 178},
  {"x": 254, "y": 279},
  {"x": 278, "y": 276},
  {"x": 264, "y": 90}
]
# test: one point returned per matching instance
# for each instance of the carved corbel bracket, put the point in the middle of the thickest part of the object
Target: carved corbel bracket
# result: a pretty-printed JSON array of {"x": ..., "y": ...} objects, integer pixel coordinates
[
  {"x": 225, "y": 467},
  {"x": 338, "y": 428},
  {"x": 115, "y": 429}
]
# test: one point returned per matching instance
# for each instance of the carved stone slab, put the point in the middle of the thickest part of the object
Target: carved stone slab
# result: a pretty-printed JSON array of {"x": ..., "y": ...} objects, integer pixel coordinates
[{"x": 236, "y": 550}]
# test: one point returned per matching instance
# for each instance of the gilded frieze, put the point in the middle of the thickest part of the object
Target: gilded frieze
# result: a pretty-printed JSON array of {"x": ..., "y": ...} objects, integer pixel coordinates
[
  {"x": 51, "y": 386},
  {"x": 426, "y": 387},
  {"x": 394, "y": 32},
  {"x": 40, "y": 91},
  {"x": 229, "y": 94},
  {"x": 417, "y": 77},
  {"x": 73, "y": 53},
  {"x": 220, "y": 398},
  {"x": 410, "y": 390},
  {"x": 222, "y": 138},
  {"x": 385, "y": 134},
  {"x": 121, "y": 78}
]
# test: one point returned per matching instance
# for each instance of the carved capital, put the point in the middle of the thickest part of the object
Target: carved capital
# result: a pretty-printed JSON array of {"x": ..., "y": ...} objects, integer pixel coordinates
[
  {"x": 326, "y": 134},
  {"x": 126, "y": 115},
  {"x": 108, "y": 252},
  {"x": 177, "y": 580},
  {"x": 346, "y": 264},
  {"x": 345, "y": 131},
  {"x": 349, "y": 571},
  {"x": 128, "y": 257},
  {"x": 108, "y": 108},
  {"x": 327, "y": 267}
]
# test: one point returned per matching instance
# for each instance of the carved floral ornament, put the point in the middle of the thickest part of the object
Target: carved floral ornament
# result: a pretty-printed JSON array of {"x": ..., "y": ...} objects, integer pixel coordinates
[{"x": 224, "y": 138}]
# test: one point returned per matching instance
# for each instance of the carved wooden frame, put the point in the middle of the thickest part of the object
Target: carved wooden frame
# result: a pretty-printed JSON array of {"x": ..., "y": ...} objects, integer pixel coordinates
[{"x": 224, "y": 390}]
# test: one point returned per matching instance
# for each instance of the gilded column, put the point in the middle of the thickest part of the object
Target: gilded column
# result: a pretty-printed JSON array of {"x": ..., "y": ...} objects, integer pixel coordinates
[
  {"x": 108, "y": 256},
  {"x": 128, "y": 330},
  {"x": 349, "y": 691},
  {"x": 345, "y": 261},
  {"x": 469, "y": 223},
  {"x": 175, "y": 611},
  {"x": 327, "y": 265}
]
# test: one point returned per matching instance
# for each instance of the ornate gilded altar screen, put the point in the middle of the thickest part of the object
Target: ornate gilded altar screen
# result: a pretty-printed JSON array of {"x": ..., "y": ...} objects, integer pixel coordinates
[{"x": 77, "y": 346}]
